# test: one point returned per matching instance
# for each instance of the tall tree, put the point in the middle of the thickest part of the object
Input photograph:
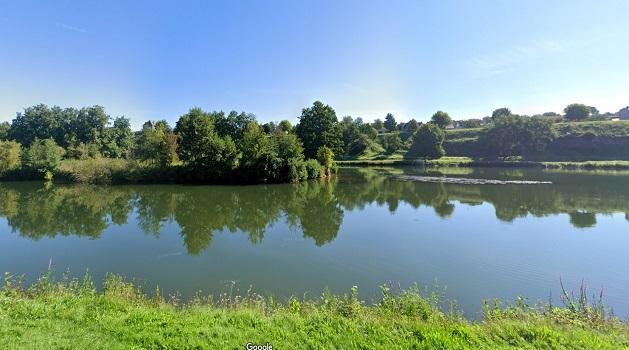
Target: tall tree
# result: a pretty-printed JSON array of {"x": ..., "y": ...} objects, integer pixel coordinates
[
  {"x": 4, "y": 130},
  {"x": 318, "y": 126},
  {"x": 428, "y": 142},
  {"x": 37, "y": 122},
  {"x": 577, "y": 111},
  {"x": 441, "y": 119},
  {"x": 117, "y": 139},
  {"x": 201, "y": 147},
  {"x": 389, "y": 122},
  {"x": 500, "y": 112}
]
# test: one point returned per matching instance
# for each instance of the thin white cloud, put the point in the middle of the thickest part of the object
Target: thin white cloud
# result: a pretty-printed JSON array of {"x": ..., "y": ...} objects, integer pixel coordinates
[{"x": 70, "y": 28}]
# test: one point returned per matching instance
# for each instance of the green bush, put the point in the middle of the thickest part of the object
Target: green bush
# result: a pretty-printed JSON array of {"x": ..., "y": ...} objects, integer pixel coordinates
[
  {"x": 9, "y": 156},
  {"x": 325, "y": 156},
  {"x": 43, "y": 155},
  {"x": 428, "y": 142},
  {"x": 313, "y": 168}
]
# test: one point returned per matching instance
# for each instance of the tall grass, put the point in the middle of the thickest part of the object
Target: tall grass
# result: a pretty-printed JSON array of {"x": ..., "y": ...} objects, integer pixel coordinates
[{"x": 73, "y": 314}]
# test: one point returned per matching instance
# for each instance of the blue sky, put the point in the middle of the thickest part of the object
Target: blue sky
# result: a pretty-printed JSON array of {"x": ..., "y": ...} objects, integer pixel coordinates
[{"x": 155, "y": 60}]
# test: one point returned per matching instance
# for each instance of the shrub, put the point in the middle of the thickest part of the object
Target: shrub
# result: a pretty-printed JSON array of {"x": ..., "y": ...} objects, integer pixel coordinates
[
  {"x": 325, "y": 156},
  {"x": 313, "y": 168},
  {"x": 391, "y": 142},
  {"x": 43, "y": 155},
  {"x": 9, "y": 156},
  {"x": 428, "y": 142}
]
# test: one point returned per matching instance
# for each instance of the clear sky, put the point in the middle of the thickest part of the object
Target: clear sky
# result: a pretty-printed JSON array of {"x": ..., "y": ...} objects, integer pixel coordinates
[{"x": 155, "y": 60}]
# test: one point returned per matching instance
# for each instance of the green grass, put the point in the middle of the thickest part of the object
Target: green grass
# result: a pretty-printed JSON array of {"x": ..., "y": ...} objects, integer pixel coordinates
[
  {"x": 593, "y": 128},
  {"x": 73, "y": 315}
]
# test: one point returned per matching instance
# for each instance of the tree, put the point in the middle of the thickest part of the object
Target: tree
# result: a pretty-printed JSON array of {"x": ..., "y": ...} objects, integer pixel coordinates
[
  {"x": 117, "y": 139},
  {"x": 156, "y": 143},
  {"x": 428, "y": 142},
  {"x": 201, "y": 147},
  {"x": 87, "y": 126},
  {"x": 9, "y": 156},
  {"x": 285, "y": 126},
  {"x": 368, "y": 130},
  {"x": 577, "y": 111},
  {"x": 351, "y": 132},
  {"x": 517, "y": 135},
  {"x": 389, "y": 122},
  {"x": 325, "y": 157},
  {"x": 377, "y": 124},
  {"x": 4, "y": 131},
  {"x": 500, "y": 112},
  {"x": 233, "y": 125},
  {"x": 43, "y": 155},
  {"x": 412, "y": 126},
  {"x": 37, "y": 122},
  {"x": 594, "y": 110},
  {"x": 391, "y": 142},
  {"x": 441, "y": 119},
  {"x": 318, "y": 126}
]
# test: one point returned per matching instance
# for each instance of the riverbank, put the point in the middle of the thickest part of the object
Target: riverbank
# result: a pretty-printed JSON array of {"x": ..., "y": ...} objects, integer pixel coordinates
[
  {"x": 469, "y": 162},
  {"x": 73, "y": 315}
]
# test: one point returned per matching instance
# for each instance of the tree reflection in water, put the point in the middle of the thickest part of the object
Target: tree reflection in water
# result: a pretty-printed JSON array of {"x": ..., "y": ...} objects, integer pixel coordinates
[{"x": 314, "y": 208}]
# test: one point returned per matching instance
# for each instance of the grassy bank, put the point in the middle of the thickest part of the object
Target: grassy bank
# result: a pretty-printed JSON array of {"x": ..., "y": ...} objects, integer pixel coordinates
[
  {"x": 469, "y": 162},
  {"x": 73, "y": 315}
]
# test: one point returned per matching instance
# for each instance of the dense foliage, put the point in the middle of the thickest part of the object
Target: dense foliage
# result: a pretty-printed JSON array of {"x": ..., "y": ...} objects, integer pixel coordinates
[
  {"x": 577, "y": 111},
  {"x": 441, "y": 119},
  {"x": 517, "y": 135},
  {"x": 428, "y": 142},
  {"x": 10, "y": 152},
  {"x": 318, "y": 126}
]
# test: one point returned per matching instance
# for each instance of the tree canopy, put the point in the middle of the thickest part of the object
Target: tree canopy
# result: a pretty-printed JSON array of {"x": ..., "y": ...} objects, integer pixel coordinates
[
  {"x": 318, "y": 126},
  {"x": 441, "y": 119},
  {"x": 577, "y": 111}
]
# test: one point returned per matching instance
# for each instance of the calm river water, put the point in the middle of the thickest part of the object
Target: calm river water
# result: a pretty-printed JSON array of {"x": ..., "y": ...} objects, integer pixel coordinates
[{"x": 366, "y": 227}]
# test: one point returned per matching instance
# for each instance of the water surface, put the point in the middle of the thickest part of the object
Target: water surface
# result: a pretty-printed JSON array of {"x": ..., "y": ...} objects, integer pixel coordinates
[{"x": 366, "y": 227}]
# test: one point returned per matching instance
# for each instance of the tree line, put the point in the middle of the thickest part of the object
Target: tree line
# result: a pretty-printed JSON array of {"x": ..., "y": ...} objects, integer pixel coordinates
[{"x": 217, "y": 145}]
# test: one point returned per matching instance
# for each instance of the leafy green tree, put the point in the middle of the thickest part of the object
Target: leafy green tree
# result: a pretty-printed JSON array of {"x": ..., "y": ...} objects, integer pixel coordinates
[
  {"x": 88, "y": 126},
  {"x": 10, "y": 152},
  {"x": 441, "y": 119},
  {"x": 269, "y": 127},
  {"x": 368, "y": 130},
  {"x": 500, "y": 112},
  {"x": 517, "y": 135},
  {"x": 37, "y": 122},
  {"x": 43, "y": 155},
  {"x": 428, "y": 142},
  {"x": 325, "y": 157},
  {"x": 351, "y": 131},
  {"x": 82, "y": 151},
  {"x": 233, "y": 125},
  {"x": 318, "y": 126},
  {"x": 201, "y": 147},
  {"x": 377, "y": 124},
  {"x": 412, "y": 126},
  {"x": 4, "y": 131},
  {"x": 117, "y": 139},
  {"x": 157, "y": 144},
  {"x": 285, "y": 126},
  {"x": 391, "y": 142},
  {"x": 577, "y": 111},
  {"x": 390, "y": 123}
]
